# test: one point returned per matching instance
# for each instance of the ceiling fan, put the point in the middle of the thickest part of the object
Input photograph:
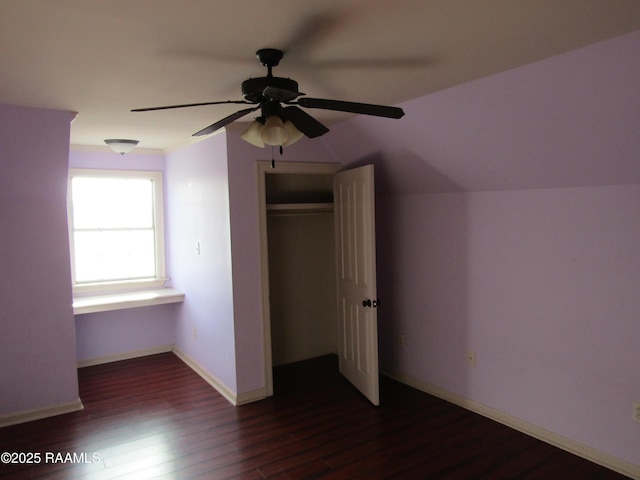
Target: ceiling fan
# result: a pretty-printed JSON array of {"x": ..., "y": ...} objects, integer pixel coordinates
[{"x": 282, "y": 121}]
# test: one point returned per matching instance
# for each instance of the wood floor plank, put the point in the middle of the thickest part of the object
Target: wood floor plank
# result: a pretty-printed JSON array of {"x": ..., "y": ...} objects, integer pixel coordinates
[{"x": 154, "y": 418}]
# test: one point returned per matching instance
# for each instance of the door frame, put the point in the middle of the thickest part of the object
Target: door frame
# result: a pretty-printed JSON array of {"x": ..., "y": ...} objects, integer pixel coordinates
[{"x": 264, "y": 168}]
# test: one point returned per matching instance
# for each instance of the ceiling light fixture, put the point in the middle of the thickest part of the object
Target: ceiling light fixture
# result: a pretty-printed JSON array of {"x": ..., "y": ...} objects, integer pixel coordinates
[
  {"x": 121, "y": 146},
  {"x": 272, "y": 131},
  {"x": 279, "y": 101}
]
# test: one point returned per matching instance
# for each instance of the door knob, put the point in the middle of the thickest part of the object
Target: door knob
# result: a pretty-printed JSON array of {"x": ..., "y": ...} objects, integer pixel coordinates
[{"x": 366, "y": 303}]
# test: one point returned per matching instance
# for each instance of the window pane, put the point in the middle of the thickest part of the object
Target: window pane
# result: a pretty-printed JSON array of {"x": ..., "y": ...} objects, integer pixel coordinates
[
  {"x": 112, "y": 203},
  {"x": 114, "y": 255}
]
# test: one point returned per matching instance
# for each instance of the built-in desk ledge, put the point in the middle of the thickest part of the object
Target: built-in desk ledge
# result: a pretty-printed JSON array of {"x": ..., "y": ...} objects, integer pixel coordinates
[{"x": 119, "y": 301}]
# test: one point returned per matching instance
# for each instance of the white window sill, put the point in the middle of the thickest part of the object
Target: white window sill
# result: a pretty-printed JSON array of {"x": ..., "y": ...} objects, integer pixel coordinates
[
  {"x": 106, "y": 288},
  {"x": 119, "y": 301}
]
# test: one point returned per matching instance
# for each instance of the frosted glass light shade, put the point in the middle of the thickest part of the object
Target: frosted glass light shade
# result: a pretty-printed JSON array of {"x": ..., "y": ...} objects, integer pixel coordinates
[
  {"x": 253, "y": 134},
  {"x": 121, "y": 146},
  {"x": 274, "y": 132},
  {"x": 294, "y": 134}
]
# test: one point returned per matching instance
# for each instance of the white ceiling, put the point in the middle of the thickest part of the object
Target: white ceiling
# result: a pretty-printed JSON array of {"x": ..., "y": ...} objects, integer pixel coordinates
[{"x": 102, "y": 58}]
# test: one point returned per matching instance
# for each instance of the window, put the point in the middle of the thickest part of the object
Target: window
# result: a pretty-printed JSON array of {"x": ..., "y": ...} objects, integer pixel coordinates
[{"x": 116, "y": 230}]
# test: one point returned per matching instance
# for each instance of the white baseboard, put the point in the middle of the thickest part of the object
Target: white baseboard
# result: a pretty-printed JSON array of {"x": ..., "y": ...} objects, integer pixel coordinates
[
  {"x": 222, "y": 389},
  {"x": 39, "y": 413},
  {"x": 609, "y": 461},
  {"x": 252, "y": 396},
  {"x": 125, "y": 356},
  {"x": 233, "y": 398}
]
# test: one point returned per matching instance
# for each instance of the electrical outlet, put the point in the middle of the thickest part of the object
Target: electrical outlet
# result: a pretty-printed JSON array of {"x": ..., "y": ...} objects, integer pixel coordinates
[
  {"x": 636, "y": 411},
  {"x": 401, "y": 340},
  {"x": 471, "y": 358}
]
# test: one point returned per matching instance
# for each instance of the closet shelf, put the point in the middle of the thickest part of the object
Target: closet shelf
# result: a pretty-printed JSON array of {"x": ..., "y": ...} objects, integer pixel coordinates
[{"x": 277, "y": 208}]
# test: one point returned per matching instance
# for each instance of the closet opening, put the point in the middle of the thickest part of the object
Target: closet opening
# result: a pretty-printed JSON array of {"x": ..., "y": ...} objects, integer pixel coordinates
[{"x": 298, "y": 264}]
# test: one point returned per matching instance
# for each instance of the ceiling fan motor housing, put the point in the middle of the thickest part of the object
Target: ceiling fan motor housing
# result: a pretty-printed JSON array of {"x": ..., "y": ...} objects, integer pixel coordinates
[
  {"x": 269, "y": 57},
  {"x": 252, "y": 89}
]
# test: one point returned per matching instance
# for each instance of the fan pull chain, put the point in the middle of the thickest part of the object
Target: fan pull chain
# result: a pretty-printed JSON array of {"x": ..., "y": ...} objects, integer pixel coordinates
[{"x": 273, "y": 160}]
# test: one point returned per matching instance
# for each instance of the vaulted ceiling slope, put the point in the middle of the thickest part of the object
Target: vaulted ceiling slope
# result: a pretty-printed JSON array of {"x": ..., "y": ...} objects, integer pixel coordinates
[
  {"x": 567, "y": 121},
  {"x": 103, "y": 58}
]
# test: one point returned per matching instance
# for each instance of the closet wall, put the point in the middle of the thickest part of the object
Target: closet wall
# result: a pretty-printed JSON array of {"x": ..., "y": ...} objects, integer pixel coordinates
[{"x": 301, "y": 266}]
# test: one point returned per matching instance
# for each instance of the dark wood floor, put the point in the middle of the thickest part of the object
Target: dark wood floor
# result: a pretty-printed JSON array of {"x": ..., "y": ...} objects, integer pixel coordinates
[{"x": 154, "y": 418}]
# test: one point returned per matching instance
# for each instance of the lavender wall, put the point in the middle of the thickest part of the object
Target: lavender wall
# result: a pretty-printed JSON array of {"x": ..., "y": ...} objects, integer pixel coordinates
[
  {"x": 542, "y": 283},
  {"x": 113, "y": 333},
  {"x": 37, "y": 343},
  {"x": 125, "y": 332},
  {"x": 198, "y": 211},
  {"x": 106, "y": 159}
]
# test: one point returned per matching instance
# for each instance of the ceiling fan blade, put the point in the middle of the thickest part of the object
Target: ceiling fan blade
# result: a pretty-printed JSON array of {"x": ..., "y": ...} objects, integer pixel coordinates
[
  {"x": 225, "y": 121},
  {"x": 167, "y": 107},
  {"x": 313, "y": 30},
  {"x": 352, "y": 107},
  {"x": 304, "y": 122}
]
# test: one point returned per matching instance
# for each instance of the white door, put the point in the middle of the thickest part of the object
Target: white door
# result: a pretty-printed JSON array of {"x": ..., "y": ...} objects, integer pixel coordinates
[{"x": 356, "y": 279}]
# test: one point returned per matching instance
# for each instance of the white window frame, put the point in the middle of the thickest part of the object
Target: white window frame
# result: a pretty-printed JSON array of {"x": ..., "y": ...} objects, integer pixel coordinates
[{"x": 125, "y": 285}]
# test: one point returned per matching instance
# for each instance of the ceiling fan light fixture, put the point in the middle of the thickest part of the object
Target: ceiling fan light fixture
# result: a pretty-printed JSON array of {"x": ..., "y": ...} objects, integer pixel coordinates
[
  {"x": 253, "y": 134},
  {"x": 294, "y": 133},
  {"x": 274, "y": 132},
  {"x": 268, "y": 94},
  {"x": 120, "y": 145}
]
